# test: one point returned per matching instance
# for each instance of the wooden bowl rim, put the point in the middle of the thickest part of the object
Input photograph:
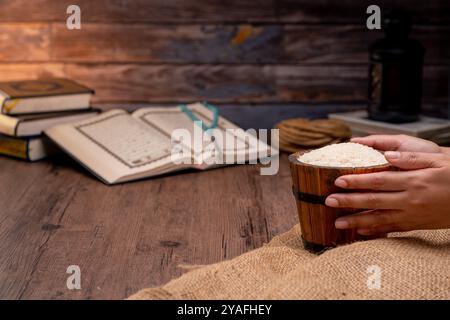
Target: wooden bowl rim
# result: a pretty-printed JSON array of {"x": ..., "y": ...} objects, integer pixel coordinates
[{"x": 293, "y": 158}]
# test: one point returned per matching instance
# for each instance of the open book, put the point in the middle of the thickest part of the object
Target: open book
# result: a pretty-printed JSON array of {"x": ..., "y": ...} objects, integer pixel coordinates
[{"x": 118, "y": 146}]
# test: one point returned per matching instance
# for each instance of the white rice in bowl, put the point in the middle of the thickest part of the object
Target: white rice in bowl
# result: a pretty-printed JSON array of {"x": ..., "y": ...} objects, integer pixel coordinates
[{"x": 347, "y": 154}]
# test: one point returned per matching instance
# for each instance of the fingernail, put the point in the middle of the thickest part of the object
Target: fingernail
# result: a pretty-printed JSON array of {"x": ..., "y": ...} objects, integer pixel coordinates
[
  {"x": 392, "y": 155},
  {"x": 331, "y": 202},
  {"x": 341, "y": 224},
  {"x": 341, "y": 183}
]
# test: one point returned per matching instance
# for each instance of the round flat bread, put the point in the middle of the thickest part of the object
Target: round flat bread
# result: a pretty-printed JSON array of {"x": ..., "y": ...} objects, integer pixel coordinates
[{"x": 300, "y": 134}]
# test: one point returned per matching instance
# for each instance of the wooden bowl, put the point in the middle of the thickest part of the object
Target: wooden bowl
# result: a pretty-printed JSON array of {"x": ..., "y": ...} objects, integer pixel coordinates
[{"x": 311, "y": 185}]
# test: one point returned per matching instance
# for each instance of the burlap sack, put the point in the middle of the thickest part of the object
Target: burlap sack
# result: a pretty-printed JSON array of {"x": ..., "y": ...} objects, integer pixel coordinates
[{"x": 412, "y": 265}]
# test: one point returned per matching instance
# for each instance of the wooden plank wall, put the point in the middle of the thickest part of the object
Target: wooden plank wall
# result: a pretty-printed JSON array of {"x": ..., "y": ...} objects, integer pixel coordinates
[{"x": 231, "y": 52}]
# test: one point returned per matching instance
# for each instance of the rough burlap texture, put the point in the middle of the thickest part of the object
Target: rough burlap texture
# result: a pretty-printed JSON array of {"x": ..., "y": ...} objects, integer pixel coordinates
[{"x": 413, "y": 265}]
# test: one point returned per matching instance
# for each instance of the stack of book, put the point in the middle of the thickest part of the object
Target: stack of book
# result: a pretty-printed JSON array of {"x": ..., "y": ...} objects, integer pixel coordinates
[{"x": 30, "y": 107}]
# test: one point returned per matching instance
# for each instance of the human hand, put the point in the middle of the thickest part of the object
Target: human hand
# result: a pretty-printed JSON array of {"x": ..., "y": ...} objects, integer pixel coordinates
[
  {"x": 399, "y": 142},
  {"x": 418, "y": 198}
]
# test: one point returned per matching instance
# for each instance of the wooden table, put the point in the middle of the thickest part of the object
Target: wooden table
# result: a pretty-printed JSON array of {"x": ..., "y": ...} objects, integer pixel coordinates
[{"x": 127, "y": 237}]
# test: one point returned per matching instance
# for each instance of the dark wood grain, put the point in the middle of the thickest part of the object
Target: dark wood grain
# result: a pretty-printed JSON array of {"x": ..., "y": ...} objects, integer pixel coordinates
[
  {"x": 152, "y": 11},
  {"x": 434, "y": 11},
  {"x": 168, "y": 43},
  {"x": 241, "y": 83},
  {"x": 131, "y": 236},
  {"x": 248, "y": 83},
  {"x": 223, "y": 83},
  {"x": 349, "y": 44},
  {"x": 265, "y": 116},
  {"x": 34, "y": 201},
  {"x": 234, "y": 44},
  {"x": 181, "y": 11}
]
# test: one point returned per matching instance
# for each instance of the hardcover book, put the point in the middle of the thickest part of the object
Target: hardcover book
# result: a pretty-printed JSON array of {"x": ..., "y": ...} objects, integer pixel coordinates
[
  {"x": 31, "y": 149},
  {"x": 46, "y": 95}
]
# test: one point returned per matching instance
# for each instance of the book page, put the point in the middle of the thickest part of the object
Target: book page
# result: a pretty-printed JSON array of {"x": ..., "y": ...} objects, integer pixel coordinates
[
  {"x": 128, "y": 140},
  {"x": 115, "y": 146}
]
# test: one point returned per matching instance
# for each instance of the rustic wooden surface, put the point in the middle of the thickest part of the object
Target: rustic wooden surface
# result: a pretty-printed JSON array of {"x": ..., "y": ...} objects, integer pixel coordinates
[
  {"x": 127, "y": 237},
  {"x": 184, "y": 11},
  {"x": 259, "y": 52},
  {"x": 205, "y": 43},
  {"x": 224, "y": 83}
]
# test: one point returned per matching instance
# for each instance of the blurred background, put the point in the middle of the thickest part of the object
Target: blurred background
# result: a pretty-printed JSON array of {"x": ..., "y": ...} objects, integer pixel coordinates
[{"x": 260, "y": 61}]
